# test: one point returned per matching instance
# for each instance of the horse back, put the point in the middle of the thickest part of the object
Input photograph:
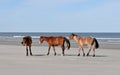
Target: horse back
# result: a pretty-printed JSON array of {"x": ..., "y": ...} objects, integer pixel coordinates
[
  {"x": 86, "y": 40},
  {"x": 56, "y": 40},
  {"x": 89, "y": 40},
  {"x": 27, "y": 40}
]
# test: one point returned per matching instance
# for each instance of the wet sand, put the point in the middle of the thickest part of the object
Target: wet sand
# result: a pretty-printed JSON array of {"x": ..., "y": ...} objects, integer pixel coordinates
[{"x": 14, "y": 62}]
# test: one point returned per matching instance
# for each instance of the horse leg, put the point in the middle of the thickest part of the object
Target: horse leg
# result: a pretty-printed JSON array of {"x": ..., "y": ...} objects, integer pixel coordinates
[
  {"x": 63, "y": 48},
  {"x": 79, "y": 51},
  {"x": 26, "y": 51},
  {"x": 81, "y": 47},
  {"x": 94, "y": 52},
  {"x": 48, "y": 50},
  {"x": 54, "y": 51},
  {"x": 89, "y": 49},
  {"x": 30, "y": 50},
  {"x": 83, "y": 52},
  {"x": 88, "y": 52}
]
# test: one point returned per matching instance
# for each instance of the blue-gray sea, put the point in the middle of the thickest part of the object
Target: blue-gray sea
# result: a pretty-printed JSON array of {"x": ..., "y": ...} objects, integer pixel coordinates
[{"x": 16, "y": 37}]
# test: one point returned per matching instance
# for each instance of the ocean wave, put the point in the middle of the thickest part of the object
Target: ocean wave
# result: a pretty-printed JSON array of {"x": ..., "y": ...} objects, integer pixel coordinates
[
  {"x": 108, "y": 38},
  {"x": 67, "y": 37},
  {"x": 35, "y": 37},
  {"x": 18, "y": 36}
]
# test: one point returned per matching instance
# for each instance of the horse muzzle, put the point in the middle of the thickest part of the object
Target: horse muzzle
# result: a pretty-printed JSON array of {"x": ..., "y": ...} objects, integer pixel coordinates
[
  {"x": 68, "y": 38},
  {"x": 21, "y": 42},
  {"x": 40, "y": 42}
]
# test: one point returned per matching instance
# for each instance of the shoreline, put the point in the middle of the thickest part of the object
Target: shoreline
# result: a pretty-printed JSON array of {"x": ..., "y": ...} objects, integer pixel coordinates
[{"x": 104, "y": 43}]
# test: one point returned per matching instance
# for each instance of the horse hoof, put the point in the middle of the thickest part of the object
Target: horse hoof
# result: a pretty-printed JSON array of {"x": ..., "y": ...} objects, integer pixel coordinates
[
  {"x": 26, "y": 54},
  {"x": 47, "y": 54},
  {"x": 87, "y": 55},
  {"x": 93, "y": 55},
  {"x": 78, "y": 55},
  {"x": 55, "y": 54},
  {"x": 84, "y": 54},
  {"x": 31, "y": 54}
]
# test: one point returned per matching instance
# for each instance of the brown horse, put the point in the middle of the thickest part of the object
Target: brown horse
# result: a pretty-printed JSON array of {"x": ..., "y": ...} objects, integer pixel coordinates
[
  {"x": 55, "y": 41},
  {"x": 27, "y": 41},
  {"x": 91, "y": 42}
]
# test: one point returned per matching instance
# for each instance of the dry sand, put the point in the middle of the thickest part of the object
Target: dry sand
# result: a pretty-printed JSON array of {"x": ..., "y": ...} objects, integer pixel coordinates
[{"x": 14, "y": 62}]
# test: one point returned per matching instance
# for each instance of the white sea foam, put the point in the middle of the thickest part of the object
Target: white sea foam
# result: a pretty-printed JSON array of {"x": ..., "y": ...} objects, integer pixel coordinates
[
  {"x": 35, "y": 37},
  {"x": 18, "y": 36},
  {"x": 67, "y": 37},
  {"x": 109, "y": 38}
]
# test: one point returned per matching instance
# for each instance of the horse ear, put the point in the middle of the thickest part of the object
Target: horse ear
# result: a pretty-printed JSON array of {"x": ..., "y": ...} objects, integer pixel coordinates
[
  {"x": 73, "y": 34},
  {"x": 41, "y": 36}
]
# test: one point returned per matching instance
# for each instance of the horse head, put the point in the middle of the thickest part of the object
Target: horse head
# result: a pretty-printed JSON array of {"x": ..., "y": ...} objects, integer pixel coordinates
[
  {"x": 72, "y": 36},
  {"x": 27, "y": 41},
  {"x": 41, "y": 39},
  {"x": 23, "y": 42}
]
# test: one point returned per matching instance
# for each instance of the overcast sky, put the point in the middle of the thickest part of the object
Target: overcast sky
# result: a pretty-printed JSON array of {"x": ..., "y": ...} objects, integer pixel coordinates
[{"x": 59, "y": 15}]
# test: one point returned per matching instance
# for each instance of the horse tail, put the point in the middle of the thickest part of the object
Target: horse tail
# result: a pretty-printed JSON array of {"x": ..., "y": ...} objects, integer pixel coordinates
[
  {"x": 96, "y": 43},
  {"x": 68, "y": 43}
]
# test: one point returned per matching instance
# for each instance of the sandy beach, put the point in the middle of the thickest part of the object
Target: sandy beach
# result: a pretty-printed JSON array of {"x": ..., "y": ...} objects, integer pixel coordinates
[
  {"x": 46, "y": 23},
  {"x": 14, "y": 62}
]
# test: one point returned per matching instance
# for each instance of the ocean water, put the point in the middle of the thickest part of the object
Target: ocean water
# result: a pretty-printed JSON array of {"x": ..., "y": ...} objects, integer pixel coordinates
[
  {"x": 103, "y": 38},
  {"x": 38, "y": 34}
]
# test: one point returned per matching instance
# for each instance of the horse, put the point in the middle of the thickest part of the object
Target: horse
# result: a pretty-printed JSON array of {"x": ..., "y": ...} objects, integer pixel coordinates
[
  {"x": 88, "y": 41},
  {"x": 55, "y": 41},
  {"x": 27, "y": 41}
]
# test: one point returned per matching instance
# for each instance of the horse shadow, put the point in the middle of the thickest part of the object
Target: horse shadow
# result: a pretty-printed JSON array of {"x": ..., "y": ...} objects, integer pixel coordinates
[
  {"x": 53, "y": 55},
  {"x": 71, "y": 55},
  {"x": 86, "y": 56},
  {"x": 97, "y": 56},
  {"x": 38, "y": 55}
]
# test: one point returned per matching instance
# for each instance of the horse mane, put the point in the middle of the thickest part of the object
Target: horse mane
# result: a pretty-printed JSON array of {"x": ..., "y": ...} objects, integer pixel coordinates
[
  {"x": 43, "y": 36},
  {"x": 73, "y": 34},
  {"x": 50, "y": 36}
]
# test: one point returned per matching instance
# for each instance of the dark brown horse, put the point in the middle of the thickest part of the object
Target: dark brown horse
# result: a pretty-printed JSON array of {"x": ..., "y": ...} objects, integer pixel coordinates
[
  {"x": 55, "y": 41},
  {"x": 27, "y": 41},
  {"x": 91, "y": 42}
]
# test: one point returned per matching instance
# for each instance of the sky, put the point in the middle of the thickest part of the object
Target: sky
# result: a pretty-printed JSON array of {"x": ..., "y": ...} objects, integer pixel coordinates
[{"x": 59, "y": 15}]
